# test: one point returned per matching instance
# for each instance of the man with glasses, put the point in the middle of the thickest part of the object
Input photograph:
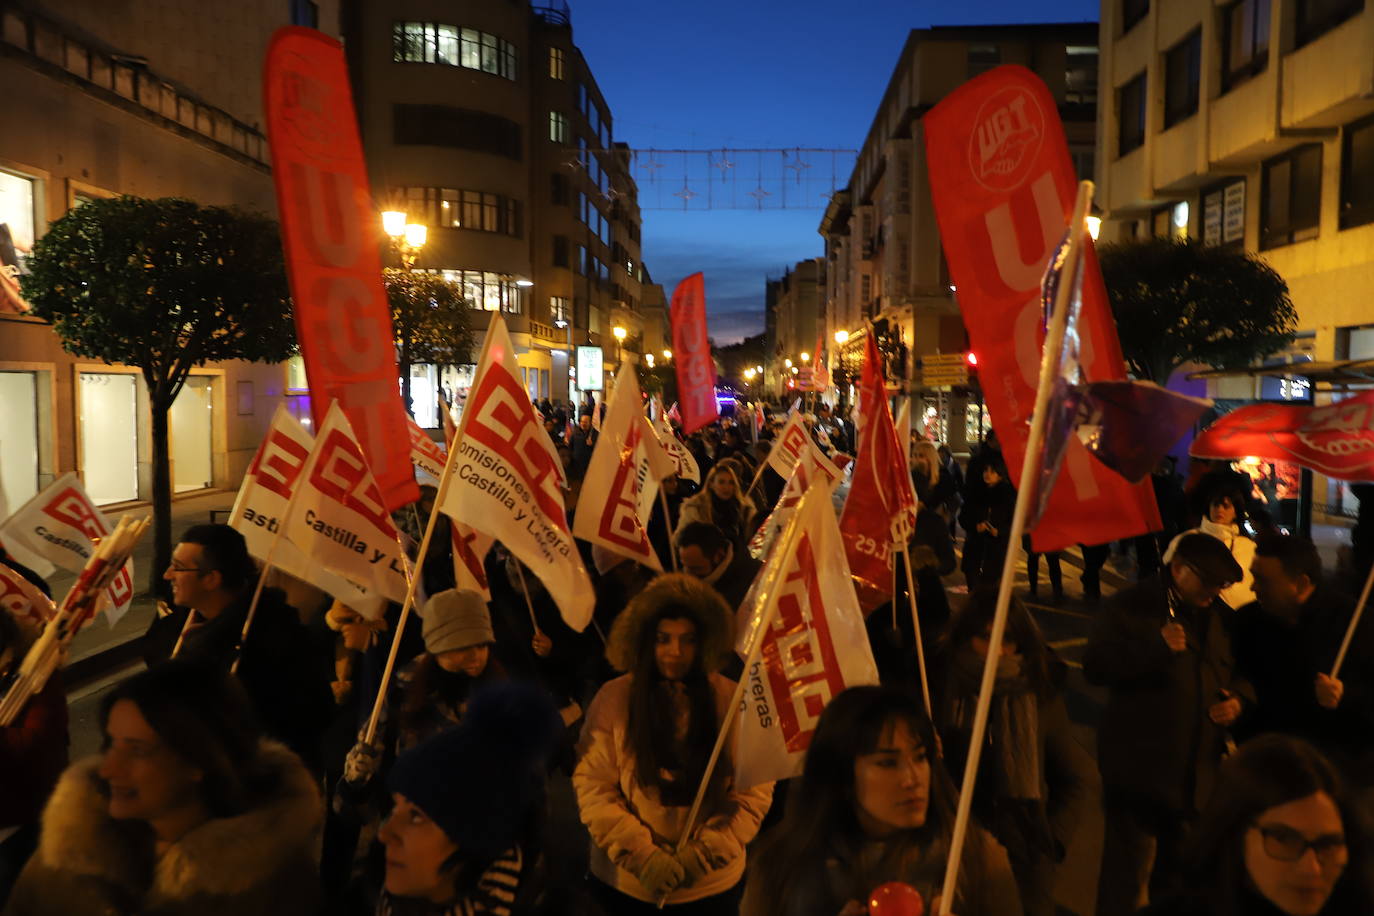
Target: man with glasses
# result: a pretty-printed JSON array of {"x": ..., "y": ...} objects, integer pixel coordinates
[
  {"x": 1286, "y": 643},
  {"x": 1162, "y": 649},
  {"x": 286, "y": 677}
]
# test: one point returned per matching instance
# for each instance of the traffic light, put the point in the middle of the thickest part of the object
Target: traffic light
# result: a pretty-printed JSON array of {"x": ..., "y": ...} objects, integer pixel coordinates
[{"x": 972, "y": 359}]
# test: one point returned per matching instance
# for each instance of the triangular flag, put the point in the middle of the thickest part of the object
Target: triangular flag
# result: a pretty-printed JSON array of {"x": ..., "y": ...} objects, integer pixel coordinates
[{"x": 506, "y": 479}]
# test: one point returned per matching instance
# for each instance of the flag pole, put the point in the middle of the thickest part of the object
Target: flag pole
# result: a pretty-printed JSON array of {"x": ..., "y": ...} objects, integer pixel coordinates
[
  {"x": 667, "y": 524},
  {"x": 262, "y": 580},
  {"x": 525, "y": 589},
  {"x": 1030, "y": 464},
  {"x": 1354, "y": 622},
  {"x": 916, "y": 629}
]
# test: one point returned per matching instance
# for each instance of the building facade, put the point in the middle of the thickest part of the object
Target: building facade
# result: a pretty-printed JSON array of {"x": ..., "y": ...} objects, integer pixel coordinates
[
  {"x": 149, "y": 99},
  {"x": 886, "y": 269},
  {"x": 484, "y": 122},
  {"x": 794, "y": 324},
  {"x": 1251, "y": 124}
]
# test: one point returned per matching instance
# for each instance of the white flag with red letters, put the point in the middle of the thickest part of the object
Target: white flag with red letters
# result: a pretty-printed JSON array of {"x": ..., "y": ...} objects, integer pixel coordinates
[
  {"x": 623, "y": 478},
  {"x": 425, "y": 453},
  {"x": 61, "y": 525},
  {"x": 813, "y": 645},
  {"x": 792, "y": 442},
  {"x": 686, "y": 465},
  {"x": 260, "y": 509},
  {"x": 22, "y": 600},
  {"x": 339, "y": 519},
  {"x": 506, "y": 479},
  {"x": 805, "y": 474}
]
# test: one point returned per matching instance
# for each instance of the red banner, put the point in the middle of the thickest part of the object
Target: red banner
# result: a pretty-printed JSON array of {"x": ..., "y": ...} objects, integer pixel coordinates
[
  {"x": 880, "y": 508},
  {"x": 1004, "y": 186},
  {"x": 330, "y": 231},
  {"x": 696, "y": 371},
  {"x": 1336, "y": 440}
]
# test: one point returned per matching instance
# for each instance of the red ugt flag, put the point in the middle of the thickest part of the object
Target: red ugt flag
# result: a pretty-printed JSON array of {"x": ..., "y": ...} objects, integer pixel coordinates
[
  {"x": 1004, "y": 189},
  {"x": 329, "y": 229},
  {"x": 696, "y": 371},
  {"x": 1336, "y": 439}
]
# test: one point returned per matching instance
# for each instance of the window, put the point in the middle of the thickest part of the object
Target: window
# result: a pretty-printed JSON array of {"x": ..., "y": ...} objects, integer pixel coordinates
[
  {"x": 442, "y": 125},
  {"x": 1291, "y": 196},
  {"x": 556, "y": 64},
  {"x": 452, "y": 46},
  {"x": 558, "y": 189},
  {"x": 449, "y": 208},
  {"x": 1223, "y": 213},
  {"x": 982, "y": 58},
  {"x": 1130, "y": 109},
  {"x": 306, "y": 13},
  {"x": 1182, "y": 70},
  {"x": 1132, "y": 11},
  {"x": 1317, "y": 17},
  {"x": 559, "y": 309},
  {"x": 1080, "y": 75},
  {"x": 486, "y": 290},
  {"x": 558, "y": 127},
  {"x": 1171, "y": 222},
  {"x": 16, "y": 219},
  {"x": 1245, "y": 41},
  {"x": 560, "y": 251},
  {"x": 1357, "y": 174}
]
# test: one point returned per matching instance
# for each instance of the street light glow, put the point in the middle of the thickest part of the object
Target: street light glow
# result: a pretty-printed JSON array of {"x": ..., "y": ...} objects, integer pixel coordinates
[
  {"x": 523, "y": 283},
  {"x": 667, "y": 354},
  {"x": 841, "y": 337},
  {"x": 415, "y": 234},
  {"x": 787, "y": 363},
  {"x": 1094, "y": 226},
  {"x": 618, "y": 332},
  {"x": 649, "y": 360},
  {"x": 806, "y": 357},
  {"x": 394, "y": 223},
  {"x": 749, "y": 373}
]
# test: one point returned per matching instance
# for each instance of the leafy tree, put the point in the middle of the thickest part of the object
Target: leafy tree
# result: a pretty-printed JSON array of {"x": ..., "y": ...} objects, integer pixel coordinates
[
  {"x": 1179, "y": 301},
  {"x": 429, "y": 317},
  {"x": 163, "y": 285}
]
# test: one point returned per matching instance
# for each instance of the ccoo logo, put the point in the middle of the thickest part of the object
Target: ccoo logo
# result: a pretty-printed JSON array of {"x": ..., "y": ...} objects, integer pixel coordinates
[{"x": 1007, "y": 135}]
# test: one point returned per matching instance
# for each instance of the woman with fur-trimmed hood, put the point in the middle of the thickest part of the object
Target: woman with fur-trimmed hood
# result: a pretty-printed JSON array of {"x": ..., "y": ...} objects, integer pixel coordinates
[
  {"x": 186, "y": 811},
  {"x": 644, "y": 747}
]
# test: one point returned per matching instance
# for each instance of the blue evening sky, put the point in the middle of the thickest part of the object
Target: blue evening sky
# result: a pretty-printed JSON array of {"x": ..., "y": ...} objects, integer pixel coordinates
[{"x": 756, "y": 74}]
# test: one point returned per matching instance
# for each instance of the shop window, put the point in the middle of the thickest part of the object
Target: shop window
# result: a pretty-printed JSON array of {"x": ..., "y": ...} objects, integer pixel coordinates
[
  {"x": 460, "y": 128},
  {"x": 1132, "y": 11},
  {"x": 19, "y": 448},
  {"x": 1130, "y": 109},
  {"x": 1170, "y": 222},
  {"x": 1223, "y": 213},
  {"x": 1244, "y": 41},
  {"x": 1291, "y": 193},
  {"x": 487, "y": 290},
  {"x": 1317, "y": 17},
  {"x": 1182, "y": 72},
  {"x": 1357, "y": 174},
  {"x": 557, "y": 64}
]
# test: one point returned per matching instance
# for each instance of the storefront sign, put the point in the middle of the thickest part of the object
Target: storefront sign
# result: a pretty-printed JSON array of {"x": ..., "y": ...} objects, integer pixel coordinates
[{"x": 591, "y": 368}]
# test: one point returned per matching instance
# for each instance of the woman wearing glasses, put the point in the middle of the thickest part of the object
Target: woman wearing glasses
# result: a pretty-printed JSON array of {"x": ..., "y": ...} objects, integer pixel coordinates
[{"x": 1279, "y": 836}]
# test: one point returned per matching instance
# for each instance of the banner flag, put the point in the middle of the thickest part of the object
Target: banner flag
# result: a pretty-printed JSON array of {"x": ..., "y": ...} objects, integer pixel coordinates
[
  {"x": 332, "y": 239},
  {"x": 506, "y": 479},
  {"x": 23, "y": 601},
  {"x": 815, "y": 647},
  {"x": 1336, "y": 440},
  {"x": 339, "y": 519},
  {"x": 1004, "y": 187},
  {"x": 696, "y": 370},
  {"x": 881, "y": 506},
  {"x": 686, "y": 466},
  {"x": 793, "y": 442},
  {"x": 61, "y": 525},
  {"x": 623, "y": 478},
  {"x": 260, "y": 508},
  {"x": 425, "y": 453},
  {"x": 806, "y": 473},
  {"x": 470, "y": 547}
]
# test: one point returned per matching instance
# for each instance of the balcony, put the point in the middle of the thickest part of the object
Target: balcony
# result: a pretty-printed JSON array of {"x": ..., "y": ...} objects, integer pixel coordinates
[
  {"x": 556, "y": 13},
  {"x": 1240, "y": 128},
  {"x": 1127, "y": 182},
  {"x": 1331, "y": 80},
  {"x": 1175, "y": 160}
]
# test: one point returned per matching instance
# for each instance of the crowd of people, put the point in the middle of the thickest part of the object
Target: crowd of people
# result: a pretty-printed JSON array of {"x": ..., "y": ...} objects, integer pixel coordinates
[{"x": 1233, "y": 769}]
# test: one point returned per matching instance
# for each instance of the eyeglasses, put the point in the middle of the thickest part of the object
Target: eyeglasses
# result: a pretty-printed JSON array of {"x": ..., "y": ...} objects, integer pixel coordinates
[
  {"x": 176, "y": 567},
  {"x": 1288, "y": 845}
]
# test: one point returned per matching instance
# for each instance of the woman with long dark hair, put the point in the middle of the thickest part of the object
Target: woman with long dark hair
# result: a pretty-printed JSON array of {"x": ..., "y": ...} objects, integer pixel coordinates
[
  {"x": 645, "y": 744},
  {"x": 1279, "y": 836},
  {"x": 1035, "y": 780},
  {"x": 873, "y": 805}
]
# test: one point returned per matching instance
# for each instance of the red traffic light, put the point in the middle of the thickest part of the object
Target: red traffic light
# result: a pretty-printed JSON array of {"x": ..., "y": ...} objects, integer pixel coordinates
[{"x": 972, "y": 359}]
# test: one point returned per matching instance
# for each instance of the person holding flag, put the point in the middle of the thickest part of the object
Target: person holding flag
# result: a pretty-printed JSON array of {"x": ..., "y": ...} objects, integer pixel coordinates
[
  {"x": 644, "y": 751},
  {"x": 874, "y": 805}
]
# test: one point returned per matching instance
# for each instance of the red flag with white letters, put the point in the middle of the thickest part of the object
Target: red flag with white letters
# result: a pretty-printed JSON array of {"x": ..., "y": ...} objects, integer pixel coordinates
[
  {"x": 340, "y": 520},
  {"x": 22, "y": 600},
  {"x": 1004, "y": 188},
  {"x": 696, "y": 370},
  {"x": 332, "y": 239}
]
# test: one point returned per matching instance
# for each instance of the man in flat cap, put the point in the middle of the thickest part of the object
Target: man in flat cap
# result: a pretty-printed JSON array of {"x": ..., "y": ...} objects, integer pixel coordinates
[{"x": 1162, "y": 649}]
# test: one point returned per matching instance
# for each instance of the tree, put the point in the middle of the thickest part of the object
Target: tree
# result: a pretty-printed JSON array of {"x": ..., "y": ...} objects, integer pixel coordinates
[
  {"x": 429, "y": 317},
  {"x": 163, "y": 285},
  {"x": 1179, "y": 301}
]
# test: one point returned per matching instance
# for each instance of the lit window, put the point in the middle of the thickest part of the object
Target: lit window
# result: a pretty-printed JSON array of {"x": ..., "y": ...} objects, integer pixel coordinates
[
  {"x": 436, "y": 43},
  {"x": 556, "y": 63},
  {"x": 558, "y": 127}
]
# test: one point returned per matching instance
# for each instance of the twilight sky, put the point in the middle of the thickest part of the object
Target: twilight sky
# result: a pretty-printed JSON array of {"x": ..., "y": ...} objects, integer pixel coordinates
[{"x": 755, "y": 74}]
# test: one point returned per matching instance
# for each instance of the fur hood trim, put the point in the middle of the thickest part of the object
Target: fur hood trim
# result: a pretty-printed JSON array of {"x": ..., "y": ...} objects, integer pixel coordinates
[
  {"x": 715, "y": 623},
  {"x": 222, "y": 857}
]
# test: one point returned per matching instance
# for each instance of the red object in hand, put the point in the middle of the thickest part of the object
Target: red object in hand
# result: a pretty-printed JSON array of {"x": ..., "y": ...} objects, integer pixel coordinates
[{"x": 895, "y": 898}]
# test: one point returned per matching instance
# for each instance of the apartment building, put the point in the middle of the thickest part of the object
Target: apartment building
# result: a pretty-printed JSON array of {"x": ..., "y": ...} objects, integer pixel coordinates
[
  {"x": 794, "y": 323},
  {"x": 484, "y": 122},
  {"x": 155, "y": 100},
  {"x": 885, "y": 264},
  {"x": 1250, "y": 123}
]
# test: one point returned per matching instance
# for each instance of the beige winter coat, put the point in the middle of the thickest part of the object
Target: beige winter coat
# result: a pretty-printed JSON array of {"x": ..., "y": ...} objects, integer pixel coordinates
[
  {"x": 258, "y": 862},
  {"x": 628, "y": 822}
]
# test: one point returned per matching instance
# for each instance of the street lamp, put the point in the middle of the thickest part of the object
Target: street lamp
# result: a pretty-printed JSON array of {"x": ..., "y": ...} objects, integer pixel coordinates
[
  {"x": 618, "y": 333},
  {"x": 1094, "y": 226},
  {"x": 394, "y": 223},
  {"x": 841, "y": 337},
  {"x": 667, "y": 354},
  {"x": 805, "y": 357},
  {"x": 649, "y": 360},
  {"x": 407, "y": 238},
  {"x": 787, "y": 363}
]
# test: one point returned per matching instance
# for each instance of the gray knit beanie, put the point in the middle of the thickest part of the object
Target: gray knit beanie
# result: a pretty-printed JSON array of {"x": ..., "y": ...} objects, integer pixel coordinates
[{"x": 455, "y": 620}]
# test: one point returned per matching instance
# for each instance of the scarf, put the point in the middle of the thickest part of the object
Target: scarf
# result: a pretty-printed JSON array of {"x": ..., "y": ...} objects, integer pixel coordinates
[
  {"x": 495, "y": 894},
  {"x": 1013, "y": 736}
]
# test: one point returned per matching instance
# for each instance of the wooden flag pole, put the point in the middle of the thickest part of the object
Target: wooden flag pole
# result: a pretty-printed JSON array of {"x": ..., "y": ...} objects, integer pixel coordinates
[
  {"x": 262, "y": 580},
  {"x": 1030, "y": 466},
  {"x": 1354, "y": 622},
  {"x": 525, "y": 589}
]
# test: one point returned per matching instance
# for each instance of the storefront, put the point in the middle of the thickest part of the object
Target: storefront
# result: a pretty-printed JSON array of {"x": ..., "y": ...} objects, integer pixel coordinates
[{"x": 25, "y": 403}]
